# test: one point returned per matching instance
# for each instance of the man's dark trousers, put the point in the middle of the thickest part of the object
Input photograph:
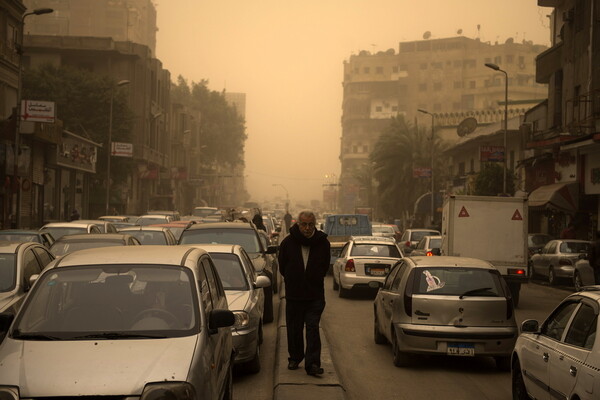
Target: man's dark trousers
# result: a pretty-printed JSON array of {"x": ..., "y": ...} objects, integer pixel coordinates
[{"x": 298, "y": 313}]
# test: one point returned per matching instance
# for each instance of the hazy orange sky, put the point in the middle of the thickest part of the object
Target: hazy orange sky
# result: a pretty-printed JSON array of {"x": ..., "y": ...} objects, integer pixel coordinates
[{"x": 288, "y": 59}]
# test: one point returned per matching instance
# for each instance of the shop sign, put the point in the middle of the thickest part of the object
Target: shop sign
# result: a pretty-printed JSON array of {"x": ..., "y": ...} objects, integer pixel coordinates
[
  {"x": 77, "y": 153},
  {"x": 491, "y": 153}
]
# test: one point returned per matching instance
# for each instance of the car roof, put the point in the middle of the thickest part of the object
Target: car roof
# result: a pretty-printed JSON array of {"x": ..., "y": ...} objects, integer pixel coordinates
[
  {"x": 68, "y": 224},
  {"x": 450, "y": 261},
  {"x": 91, "y": 237},
  {"x": 137, "y": 228},
  {"x": 373, "y": 239},
  {"x": 222, "y": 225},
  {"x": 218, "y": 248},
  {"x": 149, "y": 254}
]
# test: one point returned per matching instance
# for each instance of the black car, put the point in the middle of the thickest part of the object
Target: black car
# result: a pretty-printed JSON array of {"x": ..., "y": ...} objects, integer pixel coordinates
[{"x": 246, "y": 235}]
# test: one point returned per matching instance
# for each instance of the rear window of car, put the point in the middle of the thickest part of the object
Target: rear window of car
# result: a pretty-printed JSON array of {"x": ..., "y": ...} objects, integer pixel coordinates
[
  {"x": 453, "y": 281},
  {"x": 8, "y": 272},
  {"x": 230, "y": 270},
  {"x": 247, "y": 238},
  {"x": 149, "y": 237},
  {"x": 574, "y": 247},
  {"x": 374, "y": 250},
  {"x": 418, "y": 235},
  {"x": 61, "y": 248},
  {"x": 435, "y": 243}
]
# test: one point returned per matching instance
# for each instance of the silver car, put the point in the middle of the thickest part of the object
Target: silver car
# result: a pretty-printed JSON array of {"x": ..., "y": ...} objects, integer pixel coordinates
[
  {"x": 152, "y": 235},
  {"x": 560, "y": 359},
  {"x": 455, "y": 306},
  {"x": 59, "y": 229},
  {"x": 362, "y": 260},
  {"x": 243, "y": 288},
  {"x": 134, "y": 322},
  {"x": 428, "y": 246},
  {"x": 557, "y": 259}
]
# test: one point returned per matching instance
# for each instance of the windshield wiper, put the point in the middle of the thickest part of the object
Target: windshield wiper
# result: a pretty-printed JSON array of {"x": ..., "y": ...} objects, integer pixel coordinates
[
  {"x": 118, "y": 335},
  {"x": 474, "y": 291},
  {"x": 34, "y": 336}
]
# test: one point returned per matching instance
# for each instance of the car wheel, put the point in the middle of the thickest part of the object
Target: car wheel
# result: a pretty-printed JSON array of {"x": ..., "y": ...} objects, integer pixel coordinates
[
  {"x": 377, "y": 335},
  {"x": 401, "y": 359},
  {"x": 577, "y": 282},
  {"x": 253, "y": 366},
  {"x": 551, "y": 276},
  {"x": 502, "y": 363},
  {"x": 336, "y": 286},
  {"x": 268, "y": 310},
  {"x": 519, "y": 391},
  {"x": 228, "y": 390}
]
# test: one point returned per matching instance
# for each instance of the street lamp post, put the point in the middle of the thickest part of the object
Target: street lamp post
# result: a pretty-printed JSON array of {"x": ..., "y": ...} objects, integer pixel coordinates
[
  {"x": 497, "y": 68},
  {"x": 109, "y": 142},
  {"x": 19, "y": 50},
  {"x": 287, "y": 195},
  {"x": 431, "y": 148}
]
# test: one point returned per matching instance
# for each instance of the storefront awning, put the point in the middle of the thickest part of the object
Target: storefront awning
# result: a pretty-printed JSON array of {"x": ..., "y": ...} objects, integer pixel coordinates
[{"x": 558, "y": 196}]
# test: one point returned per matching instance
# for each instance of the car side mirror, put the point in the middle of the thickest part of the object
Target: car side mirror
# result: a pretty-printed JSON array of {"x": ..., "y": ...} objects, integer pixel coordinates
[
  {"x": 530, "y": 326},
  {"x": 31, "y": 281},
  {"x": 436, "y": 251},
  {"x": 262, "y": 281},
  {"x": 220, "y": 319}
]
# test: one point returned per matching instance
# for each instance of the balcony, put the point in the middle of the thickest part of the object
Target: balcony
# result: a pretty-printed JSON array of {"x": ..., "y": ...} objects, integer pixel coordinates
[
  {"x": 582, "y": 113},
  {"x": 547, "y": 63}
]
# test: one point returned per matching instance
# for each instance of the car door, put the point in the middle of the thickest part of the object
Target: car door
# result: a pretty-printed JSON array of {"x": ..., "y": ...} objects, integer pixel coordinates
[
  {"x": 540, "y": 261},
  {"x": 382, "y": 298},
  {"x": 392, "y": 297},
  {"x": 536, "y": 352},
  {"x": 341, "y": 261},
  {"x": 568, "y": 366}
]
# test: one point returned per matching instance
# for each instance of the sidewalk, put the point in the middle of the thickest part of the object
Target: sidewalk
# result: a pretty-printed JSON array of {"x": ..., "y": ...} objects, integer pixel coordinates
[{"x": 296, "y": 385}]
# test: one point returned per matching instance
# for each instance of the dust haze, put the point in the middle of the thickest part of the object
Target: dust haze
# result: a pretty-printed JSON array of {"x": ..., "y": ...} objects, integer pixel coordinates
[{"x": 288, "y": 59}]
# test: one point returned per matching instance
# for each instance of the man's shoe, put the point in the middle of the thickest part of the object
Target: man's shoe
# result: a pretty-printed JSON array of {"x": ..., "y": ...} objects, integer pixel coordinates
[
  {"x": 293, "y": 364},
  {"x": 314, "y": 370}
]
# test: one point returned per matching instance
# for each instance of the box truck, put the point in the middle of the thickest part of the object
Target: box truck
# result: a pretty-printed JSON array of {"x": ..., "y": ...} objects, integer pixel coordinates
[{"x": 489, "y": 228}]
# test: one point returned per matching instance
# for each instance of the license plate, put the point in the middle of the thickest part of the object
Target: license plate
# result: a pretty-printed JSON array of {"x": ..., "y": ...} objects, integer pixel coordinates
[
  {"x": 378, "y": 271},
  {"x": 461, "y": 349}
]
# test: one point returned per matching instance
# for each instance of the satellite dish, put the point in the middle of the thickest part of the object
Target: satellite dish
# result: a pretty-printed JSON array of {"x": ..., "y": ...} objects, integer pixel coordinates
[
  {"x": 459, "y": 31},
  {"x": 467, "y": 126},
  {"x": 427, "y": 35}
]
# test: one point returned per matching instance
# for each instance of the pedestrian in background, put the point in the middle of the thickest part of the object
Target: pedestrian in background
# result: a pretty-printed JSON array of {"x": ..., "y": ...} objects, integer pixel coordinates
[
  {"x": 258, "y": 221},
  {"x": 303, "y": 263},
  {"x": 287, "y": 218},
  {"x": 74, "y": 215}
]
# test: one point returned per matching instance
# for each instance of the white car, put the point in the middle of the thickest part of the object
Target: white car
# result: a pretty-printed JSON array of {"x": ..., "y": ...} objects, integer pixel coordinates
[
  {"x": 561, "y": 358},
  {"x": 364, "y": 259},
  {"x": 59, "y": 229}
]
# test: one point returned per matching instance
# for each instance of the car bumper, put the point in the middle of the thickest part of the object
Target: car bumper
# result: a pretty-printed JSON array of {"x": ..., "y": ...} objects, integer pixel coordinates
[
  {"x": 245, "y": 343},
  {"x": 428, "y": 339},
  {"x": 351, "y": 280}
]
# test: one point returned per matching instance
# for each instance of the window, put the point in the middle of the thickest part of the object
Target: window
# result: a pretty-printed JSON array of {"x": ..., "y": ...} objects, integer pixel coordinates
[
  {"x": 510, "y": 58},
  {"x": 472, "y": 84},
  {"x": 582, "y": 331},
  {"x": 457, "y": 84},
  {"x": 379, "y": 70},
  {"x": 344, "y": 250},
  {"x": 366, "y": 70},
  {"x": 395, "y": 69},
  {"x": 43, "y": 255},
  {"x": 390, "y": 278},
  {"x": 215, "y": 293},
  {"x": 31, "y": 266},
  {"x": 398, "y": 278},
  {"x": 557, "y": 322},
  {"x": 498, "y": 60}
]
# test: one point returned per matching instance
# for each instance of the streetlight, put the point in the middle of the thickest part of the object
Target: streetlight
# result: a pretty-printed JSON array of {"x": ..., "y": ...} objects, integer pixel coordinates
[
  {"x": 497, "y": 68},
  {"x": 19, "y": 50},
  {"x": 109, "y": 147},
  {"x": 432, "y": 199},
  {"x": 287, "y": 195}
]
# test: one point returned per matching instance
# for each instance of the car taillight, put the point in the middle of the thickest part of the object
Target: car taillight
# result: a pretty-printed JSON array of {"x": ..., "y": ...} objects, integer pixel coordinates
[
  {"x": 349, "y": 266},
  {"x": 516, "y": 271},
  {"x": 565, "y": 261},
  {"x": 429, "y": 254},
  {"x": 407, "y": 244}
]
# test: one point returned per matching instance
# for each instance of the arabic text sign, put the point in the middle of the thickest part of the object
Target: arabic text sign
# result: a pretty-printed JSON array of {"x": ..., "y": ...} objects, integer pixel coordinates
[
  {"x": 491, "y": 153},
  {"x": 38, "y": 111},
  {"x": 120, "y": 149}
]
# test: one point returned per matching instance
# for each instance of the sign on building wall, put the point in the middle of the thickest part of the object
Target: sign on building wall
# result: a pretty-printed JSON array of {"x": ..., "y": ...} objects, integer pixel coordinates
[
  {"x": 38, "y": 111},
  {"x": 120, "y": 149},
  {"x": 491, "y": 153},
  {"x": 77, "y": 152},
  {"x": 566, "y": 167}
]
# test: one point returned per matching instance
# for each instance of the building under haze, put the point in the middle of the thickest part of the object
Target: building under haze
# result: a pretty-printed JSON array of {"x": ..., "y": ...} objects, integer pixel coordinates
[
  {"x": 446, "y": 77},
  {"x": 123, "y": 20}
]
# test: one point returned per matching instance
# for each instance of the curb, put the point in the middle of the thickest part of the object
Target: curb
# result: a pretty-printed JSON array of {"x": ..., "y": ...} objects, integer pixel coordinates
[{"x": 292, "y": 385}]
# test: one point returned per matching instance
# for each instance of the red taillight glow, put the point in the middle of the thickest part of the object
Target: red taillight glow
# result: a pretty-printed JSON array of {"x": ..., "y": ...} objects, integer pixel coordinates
[
  {"x": 407, "y": 244},
  {"x": 429, "y": 254},
  {"x": 349, "y": 266},
  {"x": 516, "y": 271}
]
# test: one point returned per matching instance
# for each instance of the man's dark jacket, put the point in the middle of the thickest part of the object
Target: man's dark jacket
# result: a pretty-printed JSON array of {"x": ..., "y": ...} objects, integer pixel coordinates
[{"x": 301, "y": 284}]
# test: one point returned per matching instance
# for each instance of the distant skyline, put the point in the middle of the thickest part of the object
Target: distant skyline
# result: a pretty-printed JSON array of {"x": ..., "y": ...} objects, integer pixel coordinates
[{"x": 288, "y": 58}]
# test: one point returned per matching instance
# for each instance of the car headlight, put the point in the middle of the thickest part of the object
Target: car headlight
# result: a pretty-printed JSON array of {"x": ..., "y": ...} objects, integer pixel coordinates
[
  {"x": 9, "y": 393},
  {"x": 242, "y": 320},
  {"x": 169, "y": 391}
]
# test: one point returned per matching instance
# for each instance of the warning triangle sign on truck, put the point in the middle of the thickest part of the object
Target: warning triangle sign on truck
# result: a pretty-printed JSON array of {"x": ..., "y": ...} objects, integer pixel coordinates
[
  {"x": 463, "y": 213},
  {"x": 517, "y": 216}
]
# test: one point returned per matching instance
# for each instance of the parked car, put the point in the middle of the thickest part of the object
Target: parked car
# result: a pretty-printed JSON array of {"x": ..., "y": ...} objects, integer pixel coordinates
[
  {"x": 246, "y": 235},
  {"x": 245, "y": 297},
  {"x": 386, "y": 230},
  {"x": 70, "y": 243},
  {"x": 153, "y": 220},
  {"x": 59, "y": 229},
  {"x": 177, "y": 227},
  {"x": 19, "y": 261},
  {"x": 151, "y": 235},
  {"x": 428, "y": 246},
  {"x": 18, "y": 235},
  {"x": 362, "y": 260},
  {"x": 536, "y": 242},
  {"x": 134, "y": 322},
  {"x": 560, "y": 358},
  {"x": 583, "y": 274},
  {"x": 455, "y": 306},
  {"x": 412, "y": 236},
  {"x": 557, "y": 259},
  {"x": 104, "y": 225},
  {"x": 115, "y": 218}
]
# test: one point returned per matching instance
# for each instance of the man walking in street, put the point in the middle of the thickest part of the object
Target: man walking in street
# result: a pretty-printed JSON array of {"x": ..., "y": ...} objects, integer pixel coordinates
[
  {"x": 287, "y": 219},
  {"x": 303, "y": 263}
]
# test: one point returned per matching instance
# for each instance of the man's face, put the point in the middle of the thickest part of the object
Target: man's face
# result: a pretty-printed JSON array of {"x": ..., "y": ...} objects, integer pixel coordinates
[{"x": 307, "y": 225}]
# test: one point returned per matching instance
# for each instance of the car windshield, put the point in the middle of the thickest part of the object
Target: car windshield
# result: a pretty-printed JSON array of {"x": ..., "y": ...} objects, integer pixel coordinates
[
  {"x": 204, "y": 212},
  {"x": 8, "y": 272},
  {"x": 453, "y": 281},
  {"x": 247, "y": 238},
  {"x": 143, "y": 221},
  {"x": 19, "y": 237},
  {"x": 418, "y": 235},
  {"x": 375, "y": 250},
  {"x": 230, "y": 271},
  {"x": 110, "y": 302},
  {"x": 61, "y": 248},
  {"x": 149, "y": 237},
  {"x": 60, "y": 232},
  {"x": 383, "y": 229},
  {"x": 574, "y": 247}
]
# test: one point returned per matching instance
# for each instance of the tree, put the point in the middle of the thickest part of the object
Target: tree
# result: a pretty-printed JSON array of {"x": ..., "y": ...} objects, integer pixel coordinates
[
  {"x": 489, "y": 180},
  {"x": 400, "y": 149}
]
